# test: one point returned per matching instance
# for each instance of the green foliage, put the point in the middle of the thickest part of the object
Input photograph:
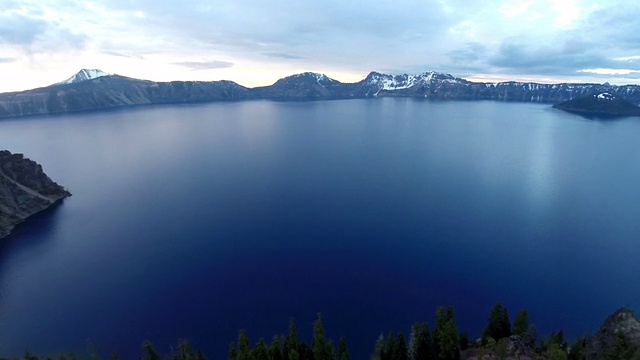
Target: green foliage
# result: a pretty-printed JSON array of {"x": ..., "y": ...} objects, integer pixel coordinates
[
  {"x": 555, "y": 352},
  {"x": 320, "y": 347},
  {"x": 244, "y": 349},
  {"x": 399, "y": 351},
  {"x": 150, "y": 352},
  {"x": 343, "y": 350},
  {"x": 421, "y": 342},
  {"x": 521, "y": 323},
  {"x": 499, "y": 326},
  {"x": 500, "y": 349},
  {"x": 233, "y": 351},
  {"x": 305, "y": 352},
  {"x": 184, "y": 351},
  {"x": 446, "y": 340},
  {"x": 260, "y": 351},
  {"x": 290, "y": 350},
  {"x": 622, "y": 349},
  {"x": 378, "y": 349},
  {"x": 275, "y": 351},
  {"x": 578, "y": 349}
]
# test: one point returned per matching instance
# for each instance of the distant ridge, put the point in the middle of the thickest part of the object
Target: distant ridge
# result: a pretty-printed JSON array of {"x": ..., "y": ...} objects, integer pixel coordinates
[{"x": 107, "y": 91}]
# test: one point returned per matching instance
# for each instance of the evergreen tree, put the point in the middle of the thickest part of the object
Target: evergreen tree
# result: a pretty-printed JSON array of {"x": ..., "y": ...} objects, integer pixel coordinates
[
  {"x": 499, "y": 325},
  {"x": 244, "y": 349},
  {"x": 424, "y": 347},
  {"x": 555, "y": 352},
  {"x": 399, "y": 350},
  {"x": 150, "y": 352},
  {"x": 305, "y": 352},
  {"x": 184, "y": 351},
  {"x": 319, "y": 346},
  {"x": 521, "y": 323},
  {"x": 378, "y": 349},
  {"x": 343, "y": 350},
  {"x": 290, "y": 350},
  {"x": 275, "y": 351},
  {"x": 331, "y": 349},
  {"x": 578, "y": 349},
  {"x": 390, "y": 343},
  {"x": 446, "y": 339},
  {"x": 260, "y": 351},
  {"x": 233, "y": 351}
]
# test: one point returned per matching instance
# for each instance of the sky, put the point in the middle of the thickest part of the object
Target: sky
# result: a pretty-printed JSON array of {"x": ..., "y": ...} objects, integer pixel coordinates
[{"x": 256, "y": 42}]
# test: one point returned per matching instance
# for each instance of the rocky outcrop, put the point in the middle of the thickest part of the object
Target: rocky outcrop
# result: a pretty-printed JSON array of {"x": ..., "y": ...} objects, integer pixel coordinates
[
  {"x": 618, "y": 337},
  {"x": 24, "y": 190}
]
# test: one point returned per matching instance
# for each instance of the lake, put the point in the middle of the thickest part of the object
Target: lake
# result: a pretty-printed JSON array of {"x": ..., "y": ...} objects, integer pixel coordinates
[{"x": 196, "y": 221}]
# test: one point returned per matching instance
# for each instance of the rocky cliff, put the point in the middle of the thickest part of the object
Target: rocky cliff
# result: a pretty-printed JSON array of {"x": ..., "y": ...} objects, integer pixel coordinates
[
  {"x": 24, "y": 190},
  {"x": 617, "y": 338}
]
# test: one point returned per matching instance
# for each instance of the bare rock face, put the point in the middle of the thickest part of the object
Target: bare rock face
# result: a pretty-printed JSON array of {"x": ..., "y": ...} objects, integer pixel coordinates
[
  {"x": 618, "y": 337},
  {"x": 24, "y": 190}
]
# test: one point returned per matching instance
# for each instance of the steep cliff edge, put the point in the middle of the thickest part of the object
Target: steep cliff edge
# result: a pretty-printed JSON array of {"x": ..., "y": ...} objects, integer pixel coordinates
[{"x": 24, "y": 190}]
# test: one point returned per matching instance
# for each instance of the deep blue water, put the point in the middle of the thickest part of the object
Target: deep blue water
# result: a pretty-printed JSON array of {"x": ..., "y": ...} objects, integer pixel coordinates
[{"x": 196, "y": 221}]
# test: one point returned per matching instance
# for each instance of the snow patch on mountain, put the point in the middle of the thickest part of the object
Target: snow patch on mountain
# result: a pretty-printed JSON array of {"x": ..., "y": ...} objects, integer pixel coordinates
[
  {"x": 84, "y": 75},
  {"x": 605, "y": 96}
]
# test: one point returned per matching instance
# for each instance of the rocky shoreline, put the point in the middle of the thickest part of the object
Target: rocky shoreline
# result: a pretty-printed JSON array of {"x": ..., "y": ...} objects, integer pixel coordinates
[{"x": 24, "y": 190}]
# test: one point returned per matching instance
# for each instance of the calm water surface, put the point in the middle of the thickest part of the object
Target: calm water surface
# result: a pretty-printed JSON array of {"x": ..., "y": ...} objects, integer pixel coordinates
[{"x": 196, "y": 221}]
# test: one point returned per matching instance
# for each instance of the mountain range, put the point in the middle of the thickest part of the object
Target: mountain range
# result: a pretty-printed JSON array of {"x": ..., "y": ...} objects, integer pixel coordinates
[{"x": 95, "y": 90}]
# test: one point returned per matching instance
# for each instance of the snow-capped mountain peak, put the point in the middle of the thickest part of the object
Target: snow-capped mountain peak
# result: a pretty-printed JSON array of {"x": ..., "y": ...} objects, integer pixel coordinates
[{"x": 84, "y": 75}]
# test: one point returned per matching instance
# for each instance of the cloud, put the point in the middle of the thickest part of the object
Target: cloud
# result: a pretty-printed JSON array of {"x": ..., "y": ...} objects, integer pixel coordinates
[
  {"x": 8, "y": 59},
  {"x": 471, "y": 52},
  {"x": 282, "y": 55},
  {"x": 37, "y": 35},
  {"x": 204, "y": 65},
  {"x": 568, "y": 56},
  {"x": 17, "y": 29}
]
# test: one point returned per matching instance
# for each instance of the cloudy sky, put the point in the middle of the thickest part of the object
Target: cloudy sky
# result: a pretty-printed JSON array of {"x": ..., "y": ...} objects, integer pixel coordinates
[{"x": 255, "y": 42}]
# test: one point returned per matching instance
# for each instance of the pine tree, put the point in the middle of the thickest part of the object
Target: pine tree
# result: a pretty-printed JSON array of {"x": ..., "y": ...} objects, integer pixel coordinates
[
  {"x": 233, "y": 351},
  {"x": 446, "y": 338},
  {"x": 150, "y": 352},
  {"x": 400, "y": 348},
  {"x": 331, "y": 350},
  {"x": 499, "y": 326},
  {"x": 424, "y": 347},
  {"x": 290, "y": 350},
  {"x": 275, "y": 351},
  {"x": 521, "y": 323},
  {"x": 389, "y": 345},
  {"x": 185, "y": 351},
  {"x": 260, "y": 351},
  {"x": 200, "y": 355},
  {"x": 319, "y": 345},
  {"x": 378, "y": 349},
  {"x": 343, "y": 350},
  {"x": 244, "y": 349}
]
